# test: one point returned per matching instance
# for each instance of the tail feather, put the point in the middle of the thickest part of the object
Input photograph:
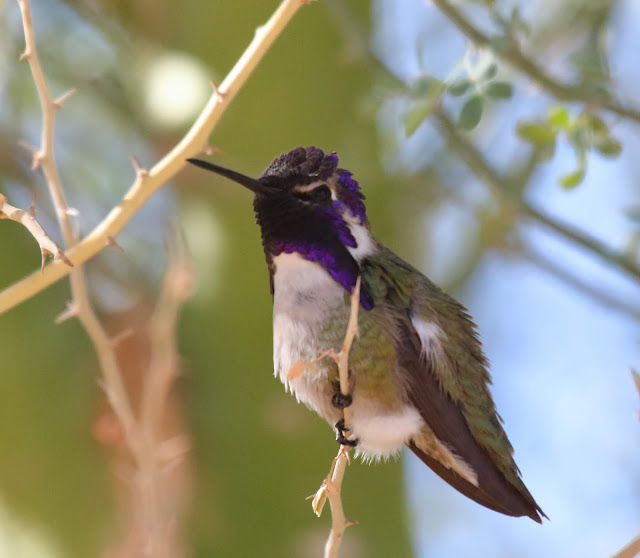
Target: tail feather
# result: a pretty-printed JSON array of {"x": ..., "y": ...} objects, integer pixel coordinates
[{"x": 507, "y": 500}]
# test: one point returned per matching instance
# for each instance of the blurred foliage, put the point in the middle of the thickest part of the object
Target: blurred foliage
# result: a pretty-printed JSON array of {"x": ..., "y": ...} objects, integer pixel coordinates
[{"x": 257, "y": 454}]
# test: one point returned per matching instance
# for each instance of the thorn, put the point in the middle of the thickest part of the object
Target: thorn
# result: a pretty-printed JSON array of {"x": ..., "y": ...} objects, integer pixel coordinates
[
  {"x": 44, "y": 253},
  {"x": 110, "y": 241},
  {"x": 125, "y": 334},
  {"x": 140, "y": 172},
  {"x": 62, "y": 256},
  {"x": 35, "y": 153},
  {"x": 32, "y": 209},
  {"x": 72, "y": 211},
  {"x": 217, "y": 91},
  {"x": 60, "y": 100},
  {"x": 351, "y": 523},
  {"x": 70, "y": 312},
  {"x": 25, "y": 55}
]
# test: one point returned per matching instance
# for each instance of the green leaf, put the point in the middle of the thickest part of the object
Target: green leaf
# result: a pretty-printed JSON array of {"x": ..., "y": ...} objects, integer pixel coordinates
[
  {"x": 571, "y": 180},
  {"x": 418, "y": 112},
  {"x": 471, "y": 113},
  {"x": 425, "y": 85},
  {"x": 537, "y": 133},
  {"x": 559, "y": 117},
  {"x": 490, "y": 72},
  {"x": 609, "y": 147},
  {"x": 596, "y": 124},
  {"x": 459, "y": 87},
  {"x": 499, "y": 90}
]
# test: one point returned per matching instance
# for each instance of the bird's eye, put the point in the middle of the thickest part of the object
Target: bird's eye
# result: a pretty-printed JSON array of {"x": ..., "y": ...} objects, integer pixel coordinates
[{"x": 321, "y": 194}]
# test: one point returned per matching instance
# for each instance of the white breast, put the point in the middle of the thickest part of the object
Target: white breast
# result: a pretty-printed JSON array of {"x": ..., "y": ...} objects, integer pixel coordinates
[{"x": 303, "y": 293}]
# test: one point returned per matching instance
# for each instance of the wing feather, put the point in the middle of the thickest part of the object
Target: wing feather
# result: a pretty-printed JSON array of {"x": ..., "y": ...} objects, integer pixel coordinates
[{"x": 449, "y": 387}]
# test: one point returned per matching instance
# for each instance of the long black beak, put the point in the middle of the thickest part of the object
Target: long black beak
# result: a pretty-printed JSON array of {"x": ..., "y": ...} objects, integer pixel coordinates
[{"x": 252, "y": 184}]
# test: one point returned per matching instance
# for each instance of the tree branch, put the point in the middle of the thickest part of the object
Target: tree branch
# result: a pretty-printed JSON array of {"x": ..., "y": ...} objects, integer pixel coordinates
[
  {"x": 331, "y": 487},
  {"x": 80, "y": 306},
  {"x": 146, "y": 183},
  {"x": 602, "y": 297},
  {"x": 516, "y": 58},
  {"x": 27, "y": 218},
  {"x": 505, "y": 192},
  {"x": 157, "y": 511}
]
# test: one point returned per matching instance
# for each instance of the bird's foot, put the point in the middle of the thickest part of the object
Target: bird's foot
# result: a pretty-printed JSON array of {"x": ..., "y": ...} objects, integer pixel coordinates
[
  {"x": 341, "y": 438},
  {"x": 341, "y": 401}
]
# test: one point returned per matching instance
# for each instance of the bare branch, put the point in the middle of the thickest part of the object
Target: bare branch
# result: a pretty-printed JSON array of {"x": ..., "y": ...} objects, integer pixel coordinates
[
  {"x": 331, "y": 487},
  {"x": 602, "y": 297},
  {"x": 630, "y": 551},
  {"x": 80, "y": 299},
  {"x": 157, "y": 457},
  {"x": 27, "y": 218},
  {"x": 167, "y": 167}
]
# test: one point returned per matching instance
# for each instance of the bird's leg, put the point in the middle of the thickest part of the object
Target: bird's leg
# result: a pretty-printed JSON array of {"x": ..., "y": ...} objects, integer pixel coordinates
[{"x": 341, "y": 438}]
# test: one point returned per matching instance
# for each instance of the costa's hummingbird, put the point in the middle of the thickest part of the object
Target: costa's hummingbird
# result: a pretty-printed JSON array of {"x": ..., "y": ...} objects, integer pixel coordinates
[{"x": 417, "y": 373}]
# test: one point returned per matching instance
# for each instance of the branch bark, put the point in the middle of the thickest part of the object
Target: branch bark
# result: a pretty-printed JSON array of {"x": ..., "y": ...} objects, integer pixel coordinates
[
  {"x": 146, "y": 183},
  {"x": 80, "y": 307},
  {"x": 331, "y": 487},
  {"x": 27, "y": 218}
]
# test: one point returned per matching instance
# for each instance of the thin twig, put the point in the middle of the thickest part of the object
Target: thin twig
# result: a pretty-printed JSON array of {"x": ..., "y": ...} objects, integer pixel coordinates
[
  {"x": 112, "y": 379},
  {"x": 146, "y": 184},
  {"x": 514, "y": 56},
  {"x": 156, "y": 511},
  {"x": 630, "y": 551},
  {"x": 505, "y": 192},
  {"x": 331, "y": 487},
  {"x": 602, "y": 297},
  {"x": 27, "y": 218}
]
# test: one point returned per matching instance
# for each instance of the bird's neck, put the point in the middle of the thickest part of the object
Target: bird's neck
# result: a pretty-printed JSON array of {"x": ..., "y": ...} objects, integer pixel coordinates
[{"x": 325, "y": 255}]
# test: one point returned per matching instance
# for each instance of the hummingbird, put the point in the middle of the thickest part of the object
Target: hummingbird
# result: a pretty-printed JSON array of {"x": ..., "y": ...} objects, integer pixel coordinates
[{"x": 417, "y": 374}]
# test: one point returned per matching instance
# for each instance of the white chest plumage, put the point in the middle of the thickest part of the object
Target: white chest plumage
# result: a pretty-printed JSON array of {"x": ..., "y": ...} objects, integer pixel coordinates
[{"x": 304, "y": 293}]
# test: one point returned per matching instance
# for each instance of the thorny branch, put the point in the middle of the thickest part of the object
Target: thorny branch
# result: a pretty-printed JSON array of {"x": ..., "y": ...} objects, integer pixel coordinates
[
  {"x": 80, "y": 306},
  {"x": 27, "y": 218},
  {"x": 514, "y": 56},
  {"x": 147, "y": 182},
  {"x": 331, "y": 487},
  {"x": 154, "y": 514}
]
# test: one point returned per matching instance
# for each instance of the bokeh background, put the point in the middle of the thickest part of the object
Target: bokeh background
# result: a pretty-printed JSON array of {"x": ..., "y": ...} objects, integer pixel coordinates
[{"x": 375, "y": 81}]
